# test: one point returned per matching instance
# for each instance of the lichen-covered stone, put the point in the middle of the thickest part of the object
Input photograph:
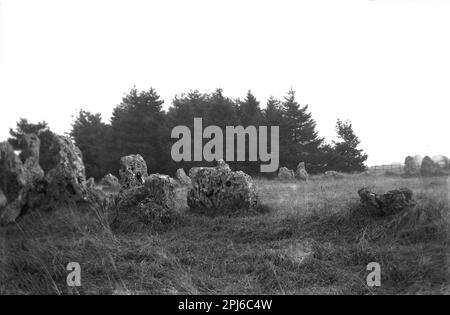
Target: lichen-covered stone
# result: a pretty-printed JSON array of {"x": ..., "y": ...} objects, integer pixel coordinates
[
  {"x": 389, "y": 203},
  {"x": 410, "y": 168},
  {"x": 161, "y": 189},
  {"x": 66, "y": 177},
  {"x": 300, "y": 172},
  {"x": 285, "y": 174},
  {"x": 133, "y": 171},
  {"x": 182, "y": 178},
  {"x": 110, "y": 180},
  {"x": 221, "y": 189},
  {"x": 430, "y": 168}
]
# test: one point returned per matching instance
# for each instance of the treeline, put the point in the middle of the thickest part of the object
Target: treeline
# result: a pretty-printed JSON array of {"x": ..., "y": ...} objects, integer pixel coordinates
[{"x": 139, "y": 124}]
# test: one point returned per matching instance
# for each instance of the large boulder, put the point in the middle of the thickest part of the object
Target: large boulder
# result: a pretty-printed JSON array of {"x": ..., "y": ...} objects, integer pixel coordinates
[
  {"x": 66, "y": 176},
  {"x": 110, "y": 181},
  {"x": 133, "y": 171},
  {"x": 220, "y": 189},
  {"x": 182, "y": 178},
  {"x": 430, "y": 168},
  {"x": 300, "y": 172},
  {"x": 389, "y": 203},
  {"x": 410, "y": 168},
  {"x": 285, "y": 174},
  {"x": 154, "y": 201}
]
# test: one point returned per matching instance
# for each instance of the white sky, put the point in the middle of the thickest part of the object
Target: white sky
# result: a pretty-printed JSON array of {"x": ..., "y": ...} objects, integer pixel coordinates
[{"x": 385, "y": 65}]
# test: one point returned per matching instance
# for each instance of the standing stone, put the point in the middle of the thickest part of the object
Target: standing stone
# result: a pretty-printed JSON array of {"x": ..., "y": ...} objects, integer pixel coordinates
[
  {"x": 133, "y": 171},
  {"x": 300, "y": 172},
  {"x": 66, "y": 176},
  {"x": 17, "y": 178},
  {"x": 429, "y": 168},
  {"x": 90, "y": 183},
  {"x": 3, "y": 200},
  {"x": 411, "y": 168},
  {"x": 285, "y": 174},
  {"x": 182, "y": 178},
  {"x": 161, "y": 189},
  {"x": 110, "y": 181},
  {"x": 219, "y": 188}
]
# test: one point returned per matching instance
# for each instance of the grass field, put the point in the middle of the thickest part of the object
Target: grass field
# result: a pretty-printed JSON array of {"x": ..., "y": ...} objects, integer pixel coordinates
[{"x": 313, "y": 238}]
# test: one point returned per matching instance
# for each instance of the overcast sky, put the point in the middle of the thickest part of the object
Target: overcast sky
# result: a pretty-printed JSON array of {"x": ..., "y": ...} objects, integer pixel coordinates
[{"x": 385, "y": 65}]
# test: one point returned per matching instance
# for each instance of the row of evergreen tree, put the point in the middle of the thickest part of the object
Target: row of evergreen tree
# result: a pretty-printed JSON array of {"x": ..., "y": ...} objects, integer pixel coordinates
[{"x": 139, "y": 124}]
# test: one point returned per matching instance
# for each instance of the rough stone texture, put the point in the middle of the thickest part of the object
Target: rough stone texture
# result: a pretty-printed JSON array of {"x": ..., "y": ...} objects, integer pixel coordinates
[
  {"x": 219, "y": 188},
  {"x": 110, "y": 180},
  {"x": 410, "y": 168},
  {"x": 16, "y": 181},
  {"x": 151, "y": 212},
  {"x": 90, "y": 183},
  {"x": 182, "y": 178},
  {"x": 429, "y": 168},
  {"x": 66, "y": 177},
  {"x": 3, "y": 200},
  {"x": 161, "y": 189},
  {"x": 334, "y": 174},
  {"x": 300, "y": 172},
  {"x": 30, "y": 155},
  {"x": 389, "y": 203},
  {"x": 133, "y": 171},
  {"x": 285, "y": 174}
]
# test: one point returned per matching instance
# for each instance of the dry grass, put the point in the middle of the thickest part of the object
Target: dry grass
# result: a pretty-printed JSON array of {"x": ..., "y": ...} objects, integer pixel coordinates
[{"x": 315, "y": 239}]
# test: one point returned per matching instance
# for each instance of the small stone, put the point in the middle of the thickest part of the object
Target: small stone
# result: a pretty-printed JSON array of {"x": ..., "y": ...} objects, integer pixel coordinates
[
  {"x": 285, "y": 174},
  {"x": 110, "y": 181},
  {"x": 133, "y": 171},
  {"x": 182, "y": 178},
  {"x": 300, "y": 172},
  {"x": 410, "y": 168}
]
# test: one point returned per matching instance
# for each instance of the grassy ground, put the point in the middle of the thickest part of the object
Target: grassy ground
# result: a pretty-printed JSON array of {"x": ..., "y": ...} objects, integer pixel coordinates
[{"x": 315, "y": 238}]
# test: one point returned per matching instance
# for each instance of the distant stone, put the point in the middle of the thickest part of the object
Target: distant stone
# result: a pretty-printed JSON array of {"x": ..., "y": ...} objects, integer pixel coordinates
[
  {"x": 300, "y": 172},
  {"x": 110, "y": 181},
  {"x": 182, "y": 178},
  {"x": 285, "y": 174},
  {"x": 334, "y": 174},
  {"x": 3, "y": 200},
  {"x": 389, "y": 203},
  {"x": 441, "y": 160},
  {"x": 430, "y": 168},
  {"x": 133, "y": 171},
  {"x": 218, "y": 188},
  {"x": 410, "y": 168},
  {"x": 90, "y": 183}
]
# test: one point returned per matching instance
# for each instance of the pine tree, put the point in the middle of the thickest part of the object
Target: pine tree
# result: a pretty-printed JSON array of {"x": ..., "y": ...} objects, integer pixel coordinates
[
  {"x": 92, "y": 136},
  {"x": 299, "y": 140},
  {"x": 345, "y": 155},
  {"x": 24, "y": 127},
  {"x": 139, "y": 126},
  {"x": 249, "y": 111}
]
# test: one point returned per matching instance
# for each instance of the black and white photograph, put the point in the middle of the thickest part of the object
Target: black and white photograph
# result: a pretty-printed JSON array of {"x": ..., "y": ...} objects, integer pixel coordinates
[{"x": 224, "y": 155}]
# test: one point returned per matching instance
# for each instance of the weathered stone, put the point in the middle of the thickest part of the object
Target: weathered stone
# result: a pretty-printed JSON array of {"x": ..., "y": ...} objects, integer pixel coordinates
[
  {"x": 182, "y": 178},
  {"x": 3, "y": 200},
  {"x": 110, "y": 181},
  {"x": 219, "y": 188},
  {"x": 285, "y": 174},
  {"x": 334, "y": 174},
  {"x": 441, "y": 160},
  {"x": 66, "y": 177},
  {"x": 410, "y": 168},
  {"x": 389, "y": 203},
  {"x": 133, "y": 171},
  {"x": 16, "y": 181},
  {"x": 90, "y": 183},
  {"x": 161, "y": 189},
  {"x": 430, "y": 168},
  {"x": 300, "y": 172},
  {"x": 151, "y": 212}
]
